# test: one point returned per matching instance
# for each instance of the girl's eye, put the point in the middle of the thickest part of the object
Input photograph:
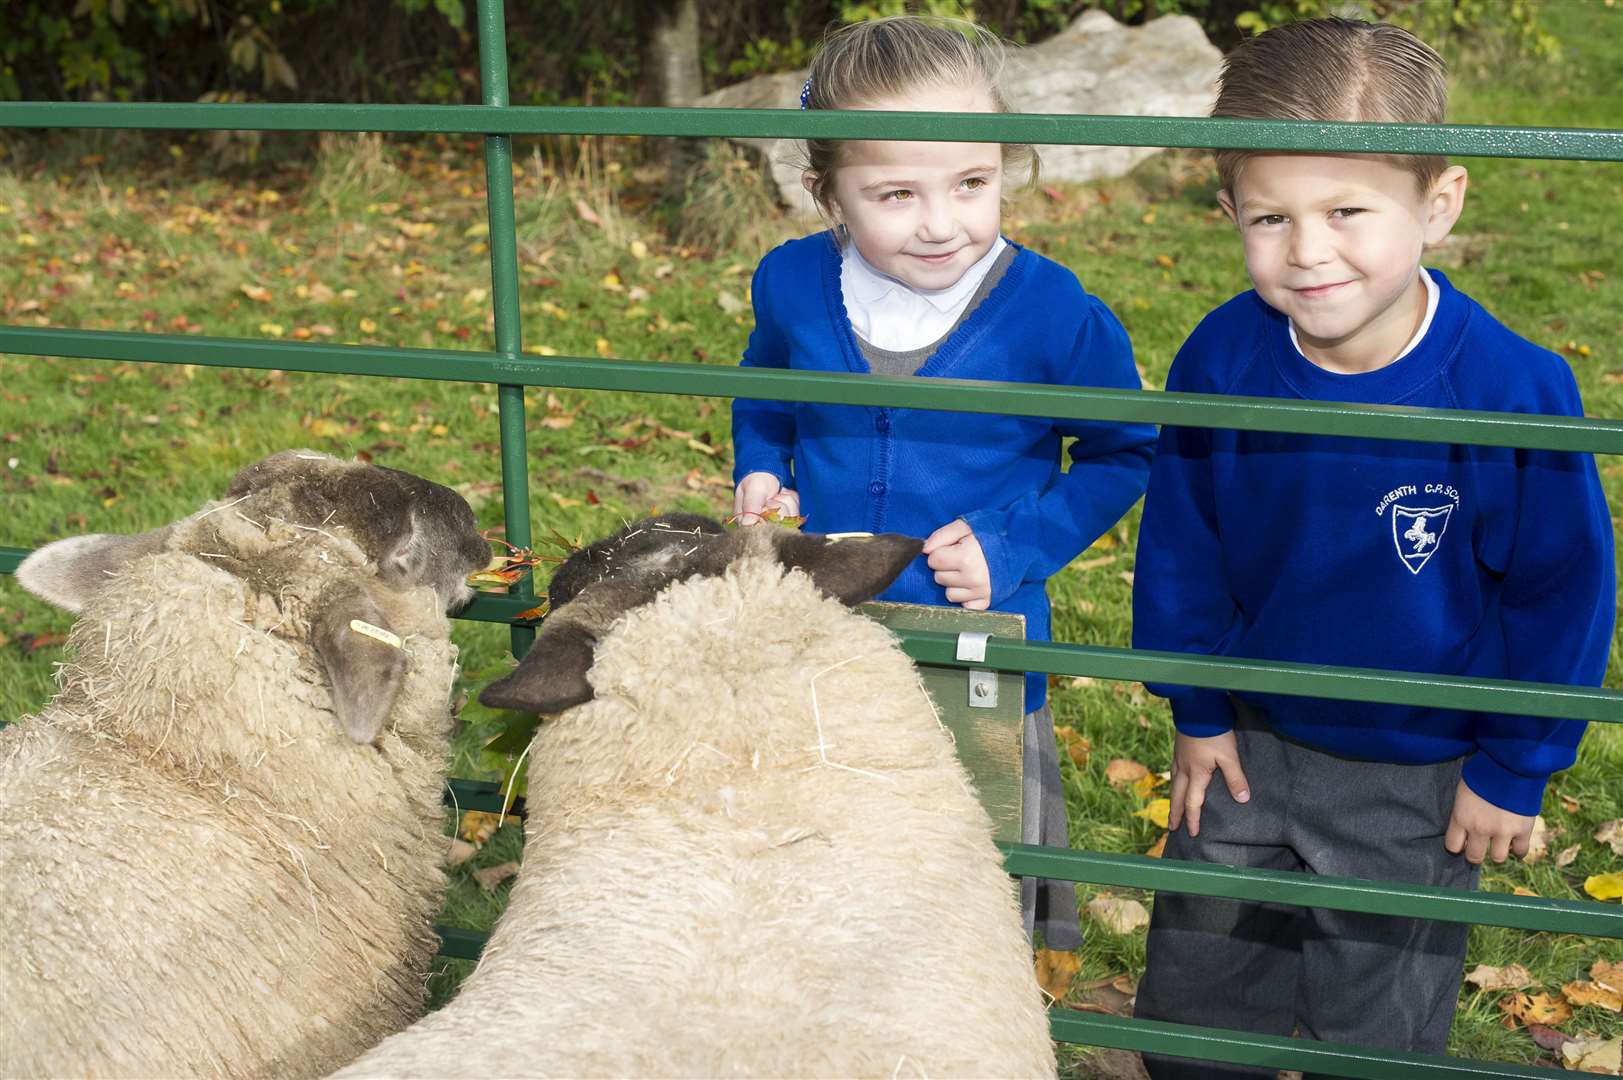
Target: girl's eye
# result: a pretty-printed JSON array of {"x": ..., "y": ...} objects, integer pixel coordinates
[
  {"x": 974, "y": 183},
  {"x": 899, "y": 195}
]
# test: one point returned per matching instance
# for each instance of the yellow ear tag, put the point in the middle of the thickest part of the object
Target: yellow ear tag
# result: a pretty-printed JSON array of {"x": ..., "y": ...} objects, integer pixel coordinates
[{"x": 376, "y": 633}]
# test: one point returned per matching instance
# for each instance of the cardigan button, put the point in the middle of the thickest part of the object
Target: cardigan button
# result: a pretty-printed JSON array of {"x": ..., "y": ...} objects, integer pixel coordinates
[
  {"x": 876, "y": 488},
  {"x": 881, "y": 422}
]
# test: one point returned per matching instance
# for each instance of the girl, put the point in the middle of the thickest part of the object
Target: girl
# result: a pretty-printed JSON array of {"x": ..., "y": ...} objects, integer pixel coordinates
[{"x": 915, "y": 280}]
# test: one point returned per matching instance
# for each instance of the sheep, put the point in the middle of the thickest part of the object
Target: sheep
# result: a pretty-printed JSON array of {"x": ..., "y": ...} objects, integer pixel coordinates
[
  {"x": 222, "y": 837},
  {"x": 751, "y": 849}
]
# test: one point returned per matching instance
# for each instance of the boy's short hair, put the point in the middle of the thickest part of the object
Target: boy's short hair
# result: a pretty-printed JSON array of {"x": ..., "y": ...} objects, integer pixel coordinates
[{"x": 1334, "y": 69}]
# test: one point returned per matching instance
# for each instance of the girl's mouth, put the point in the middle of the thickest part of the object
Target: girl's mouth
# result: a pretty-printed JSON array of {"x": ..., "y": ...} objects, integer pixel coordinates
[{"x": 937, "y": 260}]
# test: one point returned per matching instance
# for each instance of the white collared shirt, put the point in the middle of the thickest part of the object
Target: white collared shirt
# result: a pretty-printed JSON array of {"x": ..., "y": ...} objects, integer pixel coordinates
[
  {"x": 894, "y": 316},
  {"x": 1432, "y": 293}
]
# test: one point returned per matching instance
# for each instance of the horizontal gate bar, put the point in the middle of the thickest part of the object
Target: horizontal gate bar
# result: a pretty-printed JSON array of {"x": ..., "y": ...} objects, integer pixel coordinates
[
  {"x": 1223, "y": 673},
  {"x": 840, "y": 388},
  {"x": 1462, "y": 140},
  {"x": 1244, "y": 1048},
  {"x": 1316, "y": 890}
]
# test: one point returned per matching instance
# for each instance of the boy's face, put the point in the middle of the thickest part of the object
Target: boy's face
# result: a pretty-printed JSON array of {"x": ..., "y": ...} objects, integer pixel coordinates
[
  {"x": 922, "y": 213},
  {"x": 1335, "y": 242}
]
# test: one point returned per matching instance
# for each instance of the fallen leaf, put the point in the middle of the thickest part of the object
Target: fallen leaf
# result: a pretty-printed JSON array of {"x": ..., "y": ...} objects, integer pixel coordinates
[
  {"x": 1158, "y": 848},
  {"x": 1611, "y": 834},
  {"x": 1157, "y": 812},
  {"x": 1117, "y": 915},
  {"x": 1123, "y": 771},
  {"x": 1538, "y": 843},
  {"x": 1567, "y": 855},
  {"x": 1076, "y": 744},
  {"x": 477, "y": 826},
  {"x": 1587, "y": 995},
  {"x": 1603, "y": 1056},
  {"x": 1607, "y": 974},
  {"x": 256, "y": 292},
  {"x": 1522, "y": 1009},
  {"x": 492, "y": 876},
  {"x": 586, "y": 213},
  {"x": 729, "y": 303},
  {"x": 1509, "y": 977},
  {"x": 368, "y": 326},
  {"x": 1547, "y": 1038},
  {"x": 564, "y": 501},
  {"x": 1145, "y": 786},
  {"x": 461, "y": 851},
  {"x": 1569, "y": 804},
  {"x": 1056, "y": 971},
  {"x": 1522, "y": 890},
  {"x": 1605, "y": 886}
]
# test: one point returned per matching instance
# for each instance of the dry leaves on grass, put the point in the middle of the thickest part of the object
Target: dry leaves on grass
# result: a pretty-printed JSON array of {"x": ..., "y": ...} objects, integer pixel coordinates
[
  {"x": 1538, "y": 844},
  {"x": 1157, "y": 812},
  {"x": 1605, "y": 886},
  {"x": 1602, "y": 1056},
  {"x": 1509, "y": 977},
  {"x": 1567, "y": 855},
  {"x": 1584, "y": 994},
  {"x": 1117, "y": 915},
  {"x": 1611, "y": 834},
  {"x": 1123, "y": 771},
  {"x": 1523, "y": 1009},
  {"x": 1158, "y": 848},
  {"x": 1056, "y": 971},
  {"x": 492, "y": 876},
  {"x": 1076, "y": 744}
]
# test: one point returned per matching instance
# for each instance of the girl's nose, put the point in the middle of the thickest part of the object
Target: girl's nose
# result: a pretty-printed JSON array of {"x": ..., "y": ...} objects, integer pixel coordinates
[{"x": 937, "y": 224}]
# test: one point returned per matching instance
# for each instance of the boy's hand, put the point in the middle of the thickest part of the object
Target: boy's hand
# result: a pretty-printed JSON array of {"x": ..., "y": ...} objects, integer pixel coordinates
[
  {"x": 1480, "y": 828},
  {"x": 1193, "y": 762},
  {"x": 960, "y": 565},
  {"x": 757, "y": 492}
]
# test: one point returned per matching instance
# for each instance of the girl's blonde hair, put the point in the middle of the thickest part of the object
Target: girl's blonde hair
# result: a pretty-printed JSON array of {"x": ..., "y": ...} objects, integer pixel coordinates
[
  {"x": 1334, "y": 69},
  {"x": 883, "y": 59}
]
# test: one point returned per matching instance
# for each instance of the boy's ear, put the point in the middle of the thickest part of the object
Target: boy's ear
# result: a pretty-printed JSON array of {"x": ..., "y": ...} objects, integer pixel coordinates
[
  {"x": 1225, "y": 199},
  {"x": 1445, "y": 202}
]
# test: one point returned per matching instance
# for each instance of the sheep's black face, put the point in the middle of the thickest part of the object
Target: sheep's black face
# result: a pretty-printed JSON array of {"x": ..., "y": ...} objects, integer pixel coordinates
[
  {"x": 651, "y": 550},
  {"x": 418, "y": 532}
]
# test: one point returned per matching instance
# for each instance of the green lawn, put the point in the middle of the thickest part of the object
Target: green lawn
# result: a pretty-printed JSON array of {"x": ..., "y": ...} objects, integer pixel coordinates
[{"x": 381, "y": 242}]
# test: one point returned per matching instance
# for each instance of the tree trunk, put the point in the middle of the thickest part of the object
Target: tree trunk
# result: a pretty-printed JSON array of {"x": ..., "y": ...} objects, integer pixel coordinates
[{"x": 673, "y": 65}]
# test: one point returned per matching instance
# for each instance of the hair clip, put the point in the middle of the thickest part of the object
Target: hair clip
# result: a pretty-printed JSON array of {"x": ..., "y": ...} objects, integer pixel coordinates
[{"x": 805, "y": 94}]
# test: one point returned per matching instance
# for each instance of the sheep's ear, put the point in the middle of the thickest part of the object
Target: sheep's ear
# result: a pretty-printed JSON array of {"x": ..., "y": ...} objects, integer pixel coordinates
[
  {"x": 850, "y": 569},
  {"x": 362, "y": 656},
  {"x": 553, "y": 674},
  {"x": 69, "y": 572},
  {"x": 550, "y": 678}
]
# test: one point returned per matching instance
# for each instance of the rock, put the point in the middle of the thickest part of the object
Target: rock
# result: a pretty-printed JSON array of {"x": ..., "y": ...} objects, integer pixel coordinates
[{"x": 1094, "y": 66}]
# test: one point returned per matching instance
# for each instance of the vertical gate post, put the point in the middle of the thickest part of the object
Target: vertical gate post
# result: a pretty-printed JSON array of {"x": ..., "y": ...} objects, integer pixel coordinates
[{"x": 504, "y": 295}]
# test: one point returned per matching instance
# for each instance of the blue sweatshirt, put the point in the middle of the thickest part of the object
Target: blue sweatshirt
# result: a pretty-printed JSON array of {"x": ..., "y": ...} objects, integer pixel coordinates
[
  {"x": 1459, "y": 560},
  {"x": 911, "y": 471}
]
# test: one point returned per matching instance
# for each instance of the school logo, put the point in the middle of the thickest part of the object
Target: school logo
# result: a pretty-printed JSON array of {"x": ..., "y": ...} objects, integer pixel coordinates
[{"x": 1418, "y": 532}]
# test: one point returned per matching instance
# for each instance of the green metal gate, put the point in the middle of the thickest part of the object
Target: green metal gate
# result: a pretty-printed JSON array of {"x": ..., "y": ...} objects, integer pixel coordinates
[{"x": 512, "y": 371}]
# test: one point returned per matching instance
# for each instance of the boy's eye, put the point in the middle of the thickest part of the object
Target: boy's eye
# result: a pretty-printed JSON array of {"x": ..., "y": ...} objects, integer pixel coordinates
[
  {"x": 1268, "y": 219},
  {"x": 1345, "y": 212}
]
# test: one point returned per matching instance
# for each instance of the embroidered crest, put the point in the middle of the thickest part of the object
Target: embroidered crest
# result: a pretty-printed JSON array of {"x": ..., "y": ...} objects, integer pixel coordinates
[{"x": 1417, "y": 532}]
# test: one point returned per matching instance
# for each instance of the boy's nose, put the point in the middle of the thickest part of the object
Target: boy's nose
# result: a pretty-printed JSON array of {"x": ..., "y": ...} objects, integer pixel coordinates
[{"x": 1309, "y": 246}]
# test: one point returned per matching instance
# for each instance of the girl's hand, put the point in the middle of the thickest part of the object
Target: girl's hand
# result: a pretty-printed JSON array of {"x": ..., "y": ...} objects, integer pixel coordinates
[
  {"x": 759, "y": 491},
  {"x": 1480, "y": 828},
  {"x": 959, "y": 565},
  {"x": 1193, "y": 762}
]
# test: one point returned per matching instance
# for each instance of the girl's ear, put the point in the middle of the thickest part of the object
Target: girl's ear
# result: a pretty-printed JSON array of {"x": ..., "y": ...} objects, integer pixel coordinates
[{"x": 1445, "y": 202}]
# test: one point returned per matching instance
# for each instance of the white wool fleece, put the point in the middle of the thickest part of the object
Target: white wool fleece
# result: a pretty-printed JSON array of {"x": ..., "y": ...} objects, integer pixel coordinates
[{"x": 720, "y": 880}]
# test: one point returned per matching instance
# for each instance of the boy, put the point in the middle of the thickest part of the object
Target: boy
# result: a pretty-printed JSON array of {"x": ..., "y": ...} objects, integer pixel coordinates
[{"x": 1479, "y": 561}]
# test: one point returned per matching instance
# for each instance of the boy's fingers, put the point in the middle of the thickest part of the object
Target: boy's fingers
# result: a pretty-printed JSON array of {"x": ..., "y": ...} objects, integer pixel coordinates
[
  {"x": 1175, "y": 811},
  {"x": 980, "y": 603},
  {"x": 1454, "y": 838},
  {"x": 1500, "y": 849},
  {"x": 1522, "y": 842},
  {"x": 1234, "y": 777},
  {"x": 946, "y": 559},
  {"x": 1476, "y": 846},
  {"x": 1195, "y": 799}
]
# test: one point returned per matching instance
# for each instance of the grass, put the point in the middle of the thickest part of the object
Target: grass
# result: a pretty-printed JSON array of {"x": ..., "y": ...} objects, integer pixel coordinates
[{"x": 379, "y": 241}]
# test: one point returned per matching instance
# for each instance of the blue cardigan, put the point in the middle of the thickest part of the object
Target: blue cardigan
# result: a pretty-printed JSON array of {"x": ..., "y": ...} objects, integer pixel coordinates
[
  {"x": 911, "y": 471},
  {"x": 1481, "y": 561}
]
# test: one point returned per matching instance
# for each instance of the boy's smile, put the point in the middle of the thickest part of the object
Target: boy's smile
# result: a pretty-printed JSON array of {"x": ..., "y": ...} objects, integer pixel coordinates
[
  {"x": 1334, "y": 242},
  {"x": 922, "y": 213}
]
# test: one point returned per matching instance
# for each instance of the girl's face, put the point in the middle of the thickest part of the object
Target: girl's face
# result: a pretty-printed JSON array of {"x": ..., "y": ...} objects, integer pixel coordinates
[{"x": 922, "y": 213}]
